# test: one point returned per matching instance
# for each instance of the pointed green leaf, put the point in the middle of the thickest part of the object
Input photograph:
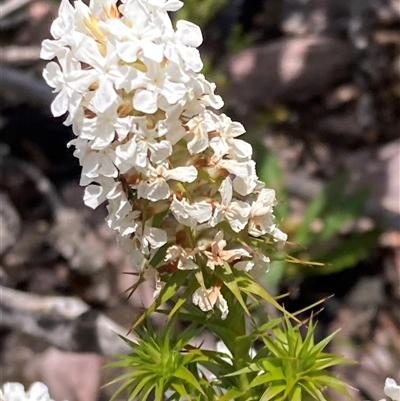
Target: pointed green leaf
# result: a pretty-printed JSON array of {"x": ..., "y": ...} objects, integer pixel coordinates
[
  {"x": 182, "y": 299},
  {"x": 170, "y": 288},
  {"x": 248, "y": 285},
  {"x": 229, "y": 280},
  {"x": 231, "y": 395},
  {"x": 184, "y": 374},
  {"x": 272, "y": 392},
  {"x": 180, "y": 389}
]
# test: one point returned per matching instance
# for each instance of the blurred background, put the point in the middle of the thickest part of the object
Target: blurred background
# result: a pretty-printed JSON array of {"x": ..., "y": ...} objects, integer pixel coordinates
[{"x": 317, "y": 85}]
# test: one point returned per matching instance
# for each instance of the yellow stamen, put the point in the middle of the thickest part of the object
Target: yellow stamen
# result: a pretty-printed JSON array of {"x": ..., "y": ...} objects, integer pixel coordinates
[
  {"x": 112, "y": 11},
  {"x": 92, "y": 25},
  {"x": 139, "y": 65}
]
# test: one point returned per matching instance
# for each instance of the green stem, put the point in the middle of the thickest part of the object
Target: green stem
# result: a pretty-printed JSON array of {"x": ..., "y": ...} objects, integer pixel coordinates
[{"x": 241, "y": 353}]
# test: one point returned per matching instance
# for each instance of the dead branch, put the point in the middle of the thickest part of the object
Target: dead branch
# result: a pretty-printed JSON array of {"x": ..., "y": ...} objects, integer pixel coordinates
[
  {"x": 65, "y": 322},
  {"x": 19, "y": 54},
  {"x": 13, "y": 20},
  {"x": 10, "y": 6}
]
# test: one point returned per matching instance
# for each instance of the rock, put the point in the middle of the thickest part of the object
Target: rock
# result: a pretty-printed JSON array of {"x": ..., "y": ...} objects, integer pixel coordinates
[
  {"x": 69, "y": 376},
  {"x": 346, "y": 125},
  {"x": 302, "y": 17},
  {"x": 379, "y": 171},
  {"x": 287, "y": 70},
  {"x": 333, "y": 17},
  {"x": 386, "y": 11}
]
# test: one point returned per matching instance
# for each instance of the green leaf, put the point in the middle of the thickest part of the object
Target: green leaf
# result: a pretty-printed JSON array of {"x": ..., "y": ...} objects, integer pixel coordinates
[
  {"x": 248, "y": 285},
  {"x": 271, "y": 173},
  {"x": 348, "y": 252},
  {"x": 231, "y": 394},
  {"x": 330, "y": 195},
  {"x": 135, "y": 286},
  {"x": 200, "y": 278},
  {"x": 159, "y": 390},
  {"x": 226, "y": 275},
  {"x": 171, "y": 287},
  {"x": 274, "y": 275},
  {"x": 297, "y": 394},
  {"x": 122, "y": 388},
  {"x": 159, "y": 218},
  {"x": 313, "y": 390},
  {"x": 273, "y": 391},
  {"x": 182, "y": 299},
  {"x": 145, "y": 393},
  {"x": 180, "y": 389},
  {"x": 264, "y": 378},
  {"x": 159, "y": 255},
  {"x": 184, "y": 374},
  {"x": 343, "y": 212}
]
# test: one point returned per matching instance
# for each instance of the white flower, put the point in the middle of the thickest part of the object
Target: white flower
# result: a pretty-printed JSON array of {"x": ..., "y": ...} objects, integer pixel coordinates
[
  {"x": 138, "y": 37},
  {"x": 157, "y": 80},
  {"x": 183, "y": 256},
  {"x": 234, "y": 211},
  {"x": 261, "y": 218},
  {"x": 70, "y": 82},
  {"x": 108, "y": 74},
  {"x": 228, "y": 131},
  {"x": 198, "y": 128},
  {"x": 217, "y": 256},
  {"x": 245, "y": 177},
  {"x": 151, "y": 273},
  {"x": 207, "y": 299},
  {"x": 16, "y": 392},
  {"x": 165, "y": 5},
  {"x": 182, "y": 45},
  {"x": 148, "y": 141},
  {"x": 392, "y": 389},
  {"x": 155, "y": 187},
  {"x": 98, "y": 163},
  {"x": 105, "y": 127},
  {"x": 168, "y": 167},
  {"x": 60, "y": 29},
  {"x": 278, "y": 235},
  {"x": 191, "y": 214},
  {"x": 259, "y": 261}
]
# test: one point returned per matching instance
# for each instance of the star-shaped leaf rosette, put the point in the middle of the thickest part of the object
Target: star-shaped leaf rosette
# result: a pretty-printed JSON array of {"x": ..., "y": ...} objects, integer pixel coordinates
[{"x": 181, "y": 189}]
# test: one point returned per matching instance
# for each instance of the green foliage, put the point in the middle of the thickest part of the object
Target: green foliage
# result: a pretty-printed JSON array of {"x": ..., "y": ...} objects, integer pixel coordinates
[
  {"x": 292, "y": 368},
  {"x": 287, "y": 366},
  {"x": 200, "y": 11},
  {"x": 159, "y": 362},
  {"x": 330, "y": 211}
]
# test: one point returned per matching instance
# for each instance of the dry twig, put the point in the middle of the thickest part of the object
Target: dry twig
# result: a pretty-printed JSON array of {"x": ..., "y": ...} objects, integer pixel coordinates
[
  {"x": 10, "y": 6},
  {"x": 19, "y": 54}
]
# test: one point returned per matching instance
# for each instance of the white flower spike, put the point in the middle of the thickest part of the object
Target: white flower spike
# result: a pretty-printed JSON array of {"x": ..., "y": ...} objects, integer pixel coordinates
[{"x": 181, "y": 189}]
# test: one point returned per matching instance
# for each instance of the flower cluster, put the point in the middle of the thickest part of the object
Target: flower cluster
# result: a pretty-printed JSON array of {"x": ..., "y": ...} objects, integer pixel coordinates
[
  {"x": 181, "y": 188},
  {"x": 16, "y": 392},
  {"x": 392, "y": 389}
]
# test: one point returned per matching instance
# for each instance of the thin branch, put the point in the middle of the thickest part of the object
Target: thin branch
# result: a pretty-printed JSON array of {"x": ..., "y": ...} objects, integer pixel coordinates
[
  {"x": 9, "y": 6},
  {"x": 66, "y": 322},
  {"x": 19, "y": 54}
]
